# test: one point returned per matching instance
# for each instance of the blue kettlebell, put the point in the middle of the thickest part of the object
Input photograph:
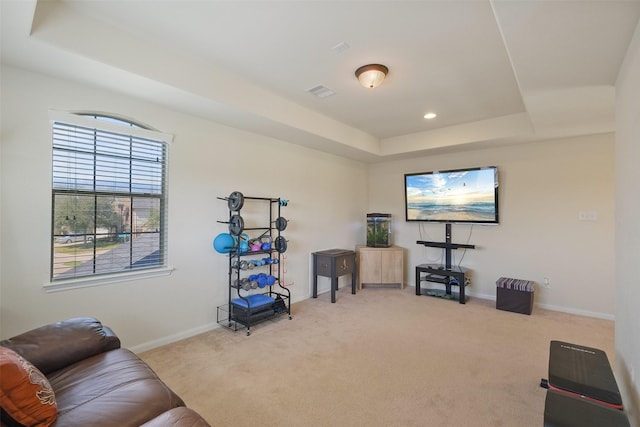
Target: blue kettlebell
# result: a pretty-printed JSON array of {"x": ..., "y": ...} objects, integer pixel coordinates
[
  {"x": 266, "y": 243},
  {"x": 243, "y": 242}
]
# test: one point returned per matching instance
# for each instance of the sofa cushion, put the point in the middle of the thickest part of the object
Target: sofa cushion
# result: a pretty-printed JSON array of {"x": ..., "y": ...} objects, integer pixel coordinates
[
  {"x": 178, "y": 417},
  {"x": 115, "y": 388},
  {"x": 25, "y": 394},
  {"x": 54, "y": 346}
]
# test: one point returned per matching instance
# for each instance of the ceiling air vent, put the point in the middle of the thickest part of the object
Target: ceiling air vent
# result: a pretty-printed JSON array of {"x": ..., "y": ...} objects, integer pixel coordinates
[{"x": 321, "y": 91}]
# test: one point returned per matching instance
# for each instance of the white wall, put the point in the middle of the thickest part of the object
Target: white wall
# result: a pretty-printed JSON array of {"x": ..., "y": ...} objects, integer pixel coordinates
[
  {"x": 543, "y": 187},
  {"x": 628, "y": 229},
  {"x": 327, "y": 207}
]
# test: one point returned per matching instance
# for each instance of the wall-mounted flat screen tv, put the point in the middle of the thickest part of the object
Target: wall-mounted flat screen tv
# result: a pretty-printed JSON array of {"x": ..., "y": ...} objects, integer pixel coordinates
[{"x": 461, "y": 195}]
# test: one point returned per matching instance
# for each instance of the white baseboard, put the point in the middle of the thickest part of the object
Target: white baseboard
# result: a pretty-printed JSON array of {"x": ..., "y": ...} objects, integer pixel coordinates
[
  {"x": 211, "y": 326},
  {"x": 173, "y": 338},
  {"x": 595, "y": 314},
  {"x": 481, "y": 296},
  {"x": 569, "y": 310},
  {"x": 150, "y": 345}
]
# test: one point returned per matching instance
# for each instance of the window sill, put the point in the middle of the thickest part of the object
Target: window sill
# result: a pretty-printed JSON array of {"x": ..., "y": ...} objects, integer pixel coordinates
[{"x": 85, "y": 282}]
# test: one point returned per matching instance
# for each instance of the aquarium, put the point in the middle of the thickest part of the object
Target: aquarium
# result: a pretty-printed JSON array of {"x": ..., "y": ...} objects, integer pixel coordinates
[{"x": 378, "y": 230}]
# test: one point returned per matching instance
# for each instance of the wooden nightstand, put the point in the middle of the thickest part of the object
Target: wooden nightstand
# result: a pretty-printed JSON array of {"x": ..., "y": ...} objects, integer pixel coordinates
[{"x": 333, "y": 263}]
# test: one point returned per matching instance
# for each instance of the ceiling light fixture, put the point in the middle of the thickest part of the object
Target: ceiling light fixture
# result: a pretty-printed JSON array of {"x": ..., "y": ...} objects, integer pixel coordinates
[
  {"x": 430, "y": 116},
  {"x": 371, "y": 75}
]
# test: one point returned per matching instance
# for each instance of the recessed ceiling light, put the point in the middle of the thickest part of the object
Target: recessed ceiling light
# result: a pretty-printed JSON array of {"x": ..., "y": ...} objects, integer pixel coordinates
[{"x": 430, "y": 116}]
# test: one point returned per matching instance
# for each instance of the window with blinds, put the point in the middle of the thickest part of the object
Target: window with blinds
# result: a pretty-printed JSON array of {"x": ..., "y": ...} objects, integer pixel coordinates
[{"x": 109, "y": 197}]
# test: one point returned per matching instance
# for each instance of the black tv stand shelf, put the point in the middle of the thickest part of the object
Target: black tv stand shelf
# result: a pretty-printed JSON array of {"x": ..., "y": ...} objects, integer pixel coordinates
[
  {"x": 446, "y": 274},
  {"x": 449, "y": 277},
  {"x": 445, "y": 245}
]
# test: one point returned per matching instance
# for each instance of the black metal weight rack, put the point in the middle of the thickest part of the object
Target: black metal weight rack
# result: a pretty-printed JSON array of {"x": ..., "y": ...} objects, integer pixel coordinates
[{"x": 256, "y": 292}]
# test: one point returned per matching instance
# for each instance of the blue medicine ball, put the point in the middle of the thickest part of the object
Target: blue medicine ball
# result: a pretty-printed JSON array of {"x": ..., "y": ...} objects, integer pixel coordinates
[{"x": 224, "y": 243}]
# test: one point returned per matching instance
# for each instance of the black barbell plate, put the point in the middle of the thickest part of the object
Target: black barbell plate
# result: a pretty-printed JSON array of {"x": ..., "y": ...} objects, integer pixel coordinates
[
  {"x": 235, "y": 201},
  {"x": 281, "y": 244},
  {"x": 236, "y": 225},
  {"x": 281, "y": 223}
]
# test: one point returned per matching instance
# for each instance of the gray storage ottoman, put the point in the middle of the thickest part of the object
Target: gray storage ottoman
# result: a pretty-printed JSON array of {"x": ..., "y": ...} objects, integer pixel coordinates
[{"x": 514, "y": 295}]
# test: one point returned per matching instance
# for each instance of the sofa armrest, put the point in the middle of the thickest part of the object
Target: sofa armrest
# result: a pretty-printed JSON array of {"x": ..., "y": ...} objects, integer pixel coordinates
[
  {"x": 54, "y": 346},
  {"x": 178, "y": 417}
]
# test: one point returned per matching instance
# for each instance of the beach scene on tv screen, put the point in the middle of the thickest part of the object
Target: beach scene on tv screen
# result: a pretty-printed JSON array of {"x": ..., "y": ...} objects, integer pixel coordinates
[{"x": 452, "y": 196}]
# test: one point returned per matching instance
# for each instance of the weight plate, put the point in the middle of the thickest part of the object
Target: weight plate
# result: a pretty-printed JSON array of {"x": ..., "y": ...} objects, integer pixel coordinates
[
  {"x": 281, "y": 244},
  {"x": 236, "y": 201},
  {"x": 236, "y": 225},
  {"x": 281, "y": 223}
]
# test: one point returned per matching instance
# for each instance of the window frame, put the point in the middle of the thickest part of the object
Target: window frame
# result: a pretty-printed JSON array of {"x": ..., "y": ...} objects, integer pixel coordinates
[{"x": 87, "y": 119}]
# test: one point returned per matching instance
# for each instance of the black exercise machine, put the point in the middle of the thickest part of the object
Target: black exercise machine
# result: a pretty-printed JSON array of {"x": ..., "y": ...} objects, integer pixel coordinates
[{"x": 582, "y": 390}]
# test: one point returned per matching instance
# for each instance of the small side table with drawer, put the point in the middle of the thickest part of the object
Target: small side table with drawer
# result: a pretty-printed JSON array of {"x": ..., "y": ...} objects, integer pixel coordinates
[{"x": 334, "y": 263}]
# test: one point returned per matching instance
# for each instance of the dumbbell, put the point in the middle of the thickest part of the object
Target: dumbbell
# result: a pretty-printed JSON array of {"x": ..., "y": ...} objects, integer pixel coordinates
[
  {"x": 262, "y": 280},
  {"x": 243, "y": 265},
  {"x": 244, "y": 283}
]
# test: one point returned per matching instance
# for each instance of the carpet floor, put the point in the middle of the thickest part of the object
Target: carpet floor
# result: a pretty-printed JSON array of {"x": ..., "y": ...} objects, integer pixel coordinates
[{"x": 382, "y": 357}]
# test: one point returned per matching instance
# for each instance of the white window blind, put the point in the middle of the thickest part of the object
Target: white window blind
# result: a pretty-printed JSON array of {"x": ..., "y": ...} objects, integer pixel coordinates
[{"x": 109, "y": 196}]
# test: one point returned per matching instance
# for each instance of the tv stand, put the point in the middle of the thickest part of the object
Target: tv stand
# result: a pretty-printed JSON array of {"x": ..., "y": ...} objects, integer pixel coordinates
[
  {"x": 450, "y": 277},
  {"x": 447, "y": 274}
]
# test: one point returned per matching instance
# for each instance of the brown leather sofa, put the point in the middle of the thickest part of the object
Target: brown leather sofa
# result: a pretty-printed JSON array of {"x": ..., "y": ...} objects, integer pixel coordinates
[{"x": 97, "y": 383}]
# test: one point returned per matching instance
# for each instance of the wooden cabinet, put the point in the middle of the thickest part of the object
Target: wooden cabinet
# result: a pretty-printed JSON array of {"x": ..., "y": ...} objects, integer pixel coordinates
[{"x": 380, "y": 266}]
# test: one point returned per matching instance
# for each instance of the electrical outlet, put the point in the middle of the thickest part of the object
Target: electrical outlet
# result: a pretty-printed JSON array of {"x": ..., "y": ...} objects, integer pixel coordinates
[
  {"x": 545, "y": 283},
  {"x": 587, "y": 216}
]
